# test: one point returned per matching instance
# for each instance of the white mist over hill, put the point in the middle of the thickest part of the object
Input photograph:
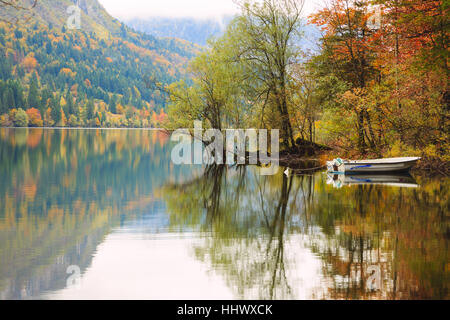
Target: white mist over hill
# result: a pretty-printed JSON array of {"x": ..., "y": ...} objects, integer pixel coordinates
[
  {"x": 195, "y": 20},
  {"x": 198, "y": 9},
  {"x": 191, "y": 29}
]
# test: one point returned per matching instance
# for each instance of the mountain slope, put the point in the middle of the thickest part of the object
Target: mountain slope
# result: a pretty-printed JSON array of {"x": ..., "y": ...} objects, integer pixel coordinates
[
  {"x": 63, "y": 73},
  {"x": 94, "y": 17}
]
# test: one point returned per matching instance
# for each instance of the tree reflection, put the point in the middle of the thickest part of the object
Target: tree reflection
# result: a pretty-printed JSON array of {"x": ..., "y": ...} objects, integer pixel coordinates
[
  {"x": 399, "y": 235},
  {"x": 61, "y": 193},
  {"x": 245, "y": 217},
  {"x": 374, "y": 241}
]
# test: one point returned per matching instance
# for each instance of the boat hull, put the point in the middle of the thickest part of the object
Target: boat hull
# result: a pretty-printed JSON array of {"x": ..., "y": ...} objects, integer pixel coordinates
[{"x": 365, "y": 166}]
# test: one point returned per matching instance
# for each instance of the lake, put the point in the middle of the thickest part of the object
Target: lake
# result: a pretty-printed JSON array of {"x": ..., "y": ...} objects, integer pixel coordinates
[{"x": 105, "y": 214}]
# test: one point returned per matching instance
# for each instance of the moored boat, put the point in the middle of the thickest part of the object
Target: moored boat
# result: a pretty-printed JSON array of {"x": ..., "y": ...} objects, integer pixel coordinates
[{"x": 377, "y": 165}]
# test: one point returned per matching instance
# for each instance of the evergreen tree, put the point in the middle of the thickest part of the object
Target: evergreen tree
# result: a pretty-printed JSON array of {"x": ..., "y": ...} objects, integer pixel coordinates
[
  {"x": 8, "y": 98},
  {"x": 127, "y": 97},
  {"x": 56, "y": 110},
  {"x": 48, "y": 47},
  {"x": 113, "y": 104},
  {"x": 33, "y": 93},
  {"x": 3, "y": 107},
  {"x": 90, "y": 109},
  {"x": 71, "y": 108},
  {"x": 18, "y": 93},
  {"x": 45, "y": 97}
]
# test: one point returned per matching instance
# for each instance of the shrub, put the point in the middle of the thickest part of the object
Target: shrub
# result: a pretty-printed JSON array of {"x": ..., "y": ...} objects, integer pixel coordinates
[
  {"x": 21, "y": 118},
  {"x": 73, "y": 121}
]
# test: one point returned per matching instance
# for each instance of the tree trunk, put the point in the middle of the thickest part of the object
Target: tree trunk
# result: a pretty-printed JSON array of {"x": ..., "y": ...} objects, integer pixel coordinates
[{"x": 361, "y": 140}]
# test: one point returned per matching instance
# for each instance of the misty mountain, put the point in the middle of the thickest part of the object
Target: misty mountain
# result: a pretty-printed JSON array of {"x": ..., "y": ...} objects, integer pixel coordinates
[
  {"x": 200, "y": 30},
  {"x": 191, "y": 29}
]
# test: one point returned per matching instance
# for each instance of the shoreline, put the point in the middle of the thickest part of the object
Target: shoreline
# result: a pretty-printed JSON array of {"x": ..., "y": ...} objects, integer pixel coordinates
[
  {"x": 84, "y": 128},
  {"x": 293, "y": 160}
]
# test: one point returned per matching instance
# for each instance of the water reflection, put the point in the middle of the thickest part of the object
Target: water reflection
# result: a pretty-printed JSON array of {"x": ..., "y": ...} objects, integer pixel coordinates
[
  {"x": 111, "y": 202},
  {"x": 63, "y": 191},
  {"x": 373, "y": 241},
  {"x": 404, "y": 180}
]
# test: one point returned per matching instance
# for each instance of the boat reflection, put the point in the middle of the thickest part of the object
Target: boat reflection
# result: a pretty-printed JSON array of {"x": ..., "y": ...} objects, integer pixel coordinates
[{"x": 403, "y": 180}]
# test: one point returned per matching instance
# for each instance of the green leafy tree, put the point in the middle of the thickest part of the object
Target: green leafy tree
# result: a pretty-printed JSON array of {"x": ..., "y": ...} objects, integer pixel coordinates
[
  {"x": 21, "y": 118},
  {"x": 265, "y": 39}
]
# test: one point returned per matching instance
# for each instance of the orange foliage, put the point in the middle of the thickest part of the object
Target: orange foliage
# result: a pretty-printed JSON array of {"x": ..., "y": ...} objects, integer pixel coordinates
[
  {"x": 30, "y": 62},
  {"x": 157, "y": 59},
  {"x": 154, "y": 118},
  {"x": 74, "y": 90},
  {"x": 120, "y": 109},
  {"x": 68, "y": 72},
  {"x": 35, "y": 118},
  {"x": 162, "y": 116},
  {"x": 34, "y": 137}
]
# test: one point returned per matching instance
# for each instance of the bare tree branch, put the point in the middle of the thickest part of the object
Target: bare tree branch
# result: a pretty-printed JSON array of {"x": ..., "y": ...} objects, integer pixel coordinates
[{"x": 16, "y": 6}]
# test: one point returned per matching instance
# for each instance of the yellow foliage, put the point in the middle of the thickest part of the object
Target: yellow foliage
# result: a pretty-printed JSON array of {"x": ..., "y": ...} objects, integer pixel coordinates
[
  {"x": 30, "y": 62},
  {"x": 120, "y": 109},
  {"x": 68, "y": 72}
]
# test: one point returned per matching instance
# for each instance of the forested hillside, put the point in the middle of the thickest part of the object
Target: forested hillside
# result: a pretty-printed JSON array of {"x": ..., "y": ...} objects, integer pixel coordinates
[{"x": 94, "y": 76}]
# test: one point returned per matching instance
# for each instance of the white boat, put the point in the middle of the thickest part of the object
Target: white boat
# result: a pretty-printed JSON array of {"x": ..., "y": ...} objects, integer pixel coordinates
[
  {"x": 377, "y": 165},
  {"x": 392, "y": 180}
]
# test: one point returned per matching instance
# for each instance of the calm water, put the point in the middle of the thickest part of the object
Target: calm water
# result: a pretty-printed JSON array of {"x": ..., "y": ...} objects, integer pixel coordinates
[{"x": 111, "y": 203}]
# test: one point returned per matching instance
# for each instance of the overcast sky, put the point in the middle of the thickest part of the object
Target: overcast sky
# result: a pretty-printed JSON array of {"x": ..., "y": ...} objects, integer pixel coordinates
[{"x": 177, "y": 8}]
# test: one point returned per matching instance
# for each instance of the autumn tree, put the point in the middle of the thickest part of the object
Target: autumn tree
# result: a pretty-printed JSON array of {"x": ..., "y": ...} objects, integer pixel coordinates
[
  {"x": 30, "y": 62},
  {"x": 417, "y": 33},
  {"x": 35, "y": 118},
  {"x": 348, "y": 46}
]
